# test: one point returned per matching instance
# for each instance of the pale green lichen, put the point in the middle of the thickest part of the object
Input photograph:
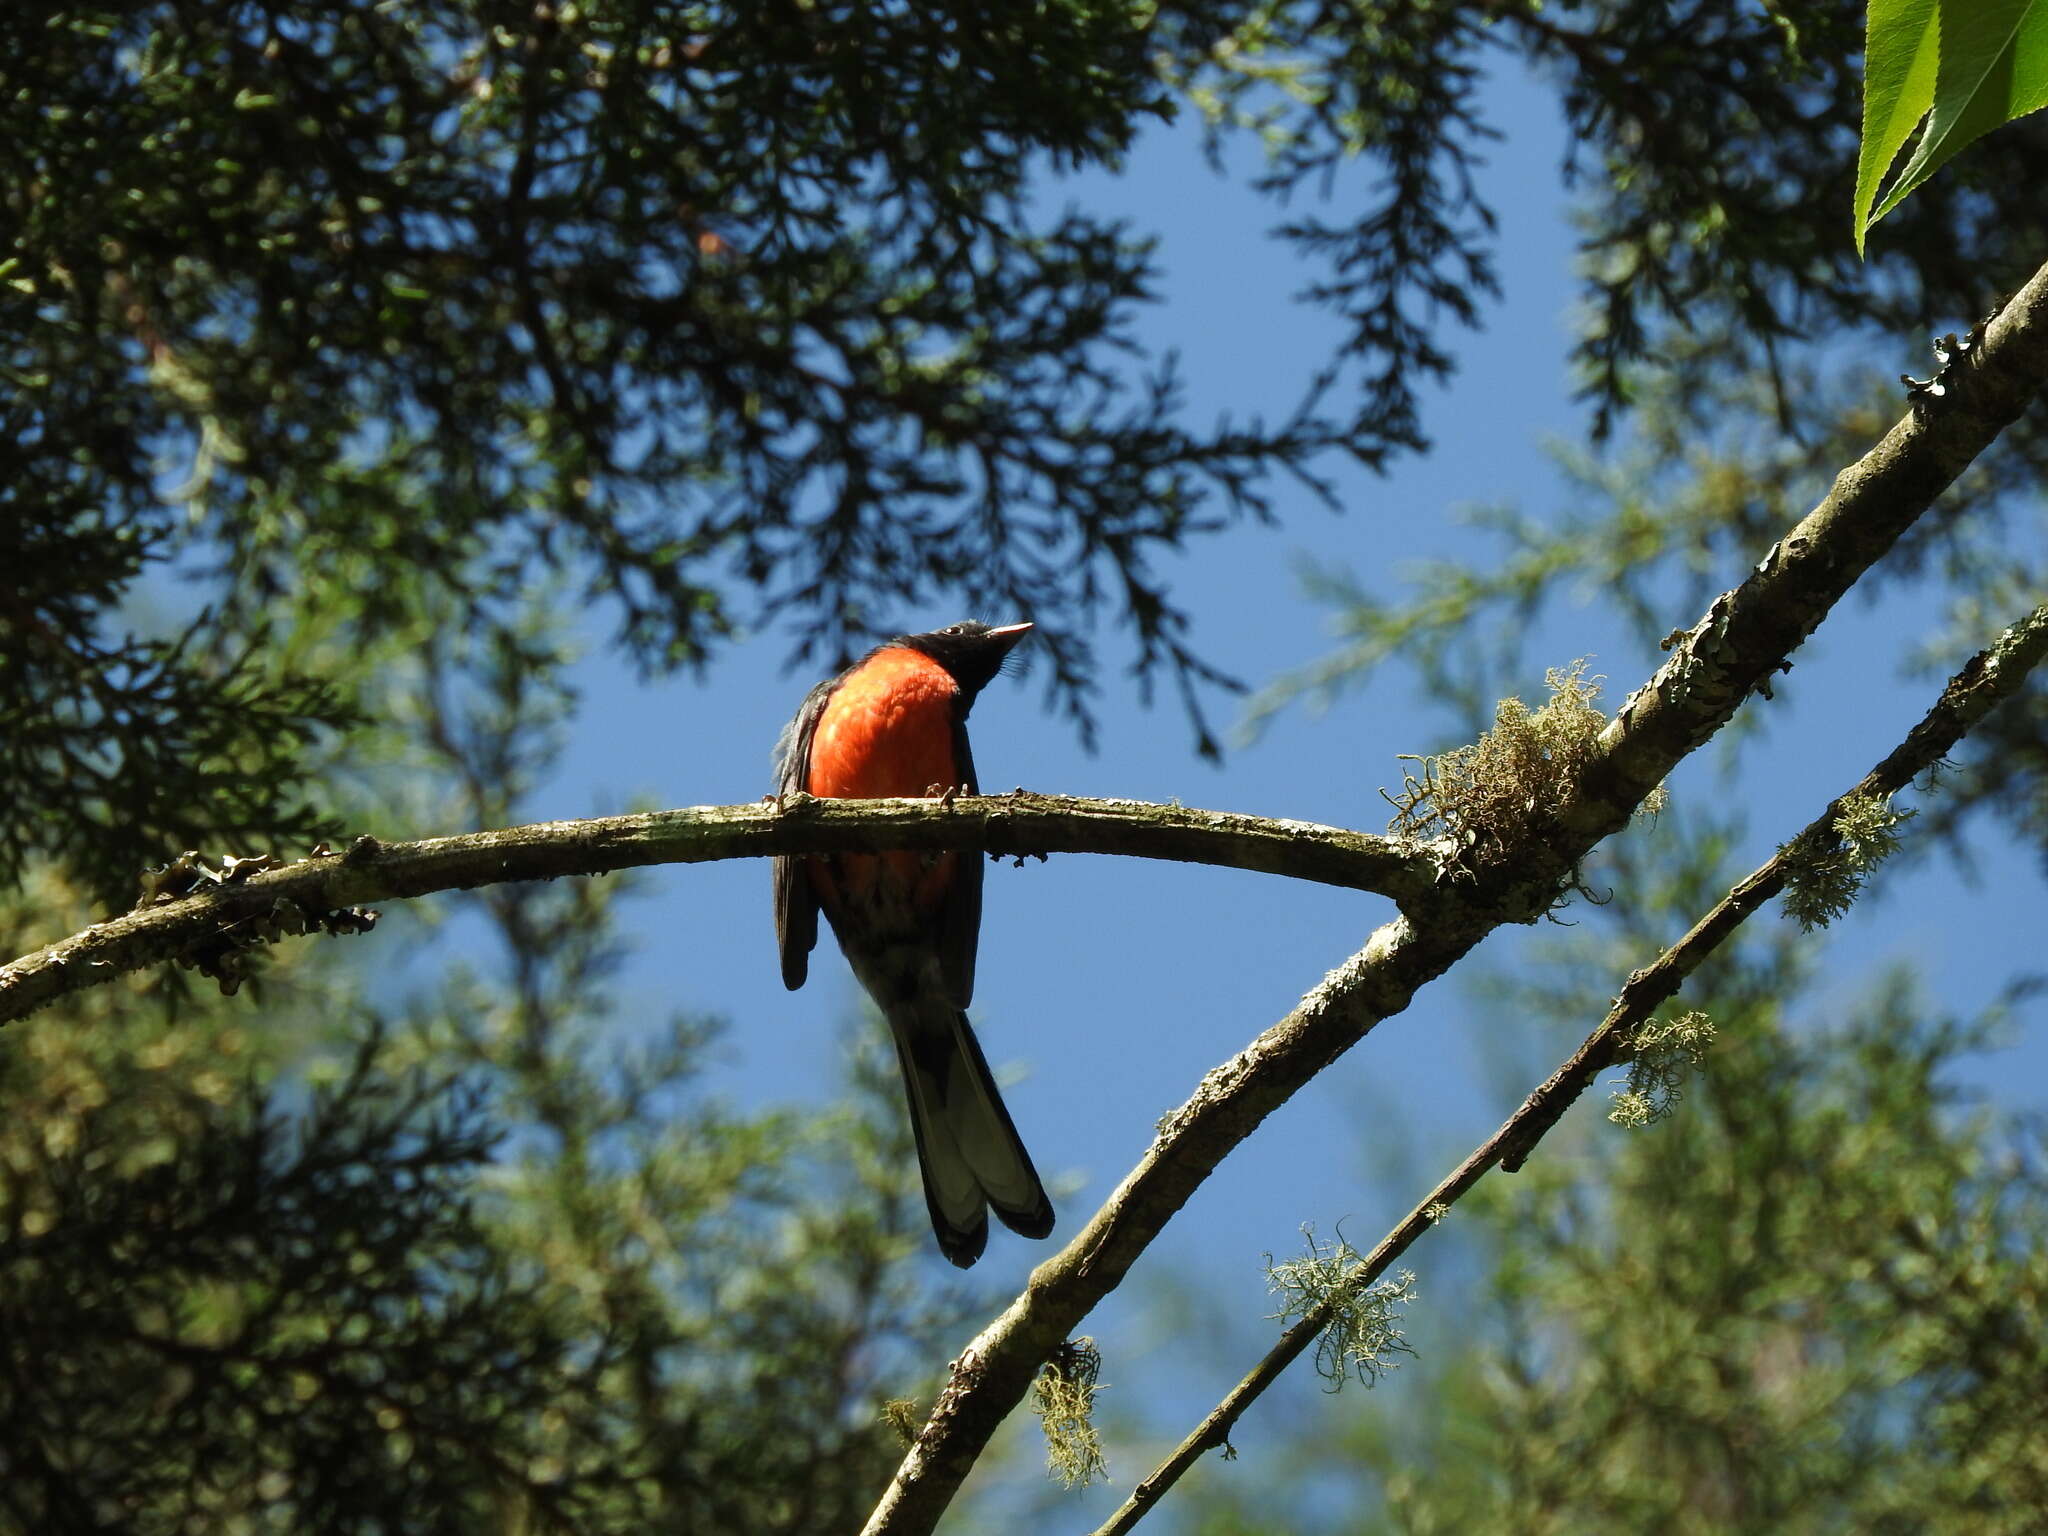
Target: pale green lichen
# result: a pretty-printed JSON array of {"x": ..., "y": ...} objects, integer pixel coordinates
[
  {"x": 1825, "y": 871},
  {"x": 1665, "y": 1054},
  {"x": 1065, "y": 1390},
  {"x": 1528, "y": 762},
  {"x": 900, "y": 1414},
  {"x": 1361, "y": 1335}
]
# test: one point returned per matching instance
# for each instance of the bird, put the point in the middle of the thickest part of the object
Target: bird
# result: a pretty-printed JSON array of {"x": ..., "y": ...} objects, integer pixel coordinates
[{"x": 895, "y": 723}]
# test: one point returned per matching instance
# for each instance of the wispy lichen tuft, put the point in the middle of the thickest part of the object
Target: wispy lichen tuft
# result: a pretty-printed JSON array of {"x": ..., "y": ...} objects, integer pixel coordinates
[
  {"x": 1066, "y": 1389},
  {"x": 900, "y": 1414},
  {"x": 1666, "y": 1053},
  {"x": 1825, "y": 871},
  {"x": 1530, "y": 760},
  {"x": 1361, "y": 1334}
]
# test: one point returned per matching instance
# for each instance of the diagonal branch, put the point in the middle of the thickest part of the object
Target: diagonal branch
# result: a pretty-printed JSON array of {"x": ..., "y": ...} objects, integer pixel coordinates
[
  {"x": 1991, "y": 677},
  {"x": 1014, "y": 825},
  {"x": 1733, "y": 650}
]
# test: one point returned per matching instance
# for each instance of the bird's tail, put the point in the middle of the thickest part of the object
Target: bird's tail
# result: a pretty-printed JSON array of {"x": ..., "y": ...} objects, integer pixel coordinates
[{"x": 967, "y": 1148}]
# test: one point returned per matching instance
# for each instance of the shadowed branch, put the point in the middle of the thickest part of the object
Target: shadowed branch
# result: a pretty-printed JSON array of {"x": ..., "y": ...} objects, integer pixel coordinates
[{"x": 251, "y": 902}]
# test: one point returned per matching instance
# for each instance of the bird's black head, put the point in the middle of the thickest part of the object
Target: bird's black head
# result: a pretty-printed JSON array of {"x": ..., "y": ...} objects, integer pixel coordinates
[{"x": 971, "y": 650}]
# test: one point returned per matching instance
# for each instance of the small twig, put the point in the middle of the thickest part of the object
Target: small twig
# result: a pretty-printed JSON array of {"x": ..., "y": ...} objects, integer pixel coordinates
[{"x": 1989, "y": 678}]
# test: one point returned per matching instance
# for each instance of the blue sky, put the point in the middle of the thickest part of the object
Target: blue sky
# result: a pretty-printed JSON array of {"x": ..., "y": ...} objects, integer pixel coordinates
[{"x": 1110, "y": 986}]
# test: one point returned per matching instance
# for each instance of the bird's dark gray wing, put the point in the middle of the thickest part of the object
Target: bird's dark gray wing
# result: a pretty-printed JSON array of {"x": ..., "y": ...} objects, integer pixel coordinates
[
  {"x": 960, "y": 916},
  {"x": 796, "y": 904}
]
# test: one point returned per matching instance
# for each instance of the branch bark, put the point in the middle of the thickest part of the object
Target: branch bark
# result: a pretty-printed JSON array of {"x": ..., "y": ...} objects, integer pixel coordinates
[
  {"x": 1014, "y": 825},
  {"x": 1989, "y": 678},
  {"x": 1733, "y": 650}
]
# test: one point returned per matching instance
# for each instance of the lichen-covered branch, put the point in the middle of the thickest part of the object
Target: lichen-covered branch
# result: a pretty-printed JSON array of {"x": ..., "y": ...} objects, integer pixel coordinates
[
  {"x": 1751, "y": 631},
  {"x": 298, "y": 896},
  {"x": 1730, "y": 653},
  {"x": 1990, "y": 677}
]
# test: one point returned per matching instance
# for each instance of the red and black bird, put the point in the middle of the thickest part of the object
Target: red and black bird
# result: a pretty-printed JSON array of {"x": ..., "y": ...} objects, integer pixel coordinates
[{"x": 895, "y": 723}]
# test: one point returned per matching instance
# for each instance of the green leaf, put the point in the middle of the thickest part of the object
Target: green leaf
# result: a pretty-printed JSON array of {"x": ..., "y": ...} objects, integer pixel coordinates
[
  {"x": 1992, "y": 67},
  {"x": 1901, "y": 44}
]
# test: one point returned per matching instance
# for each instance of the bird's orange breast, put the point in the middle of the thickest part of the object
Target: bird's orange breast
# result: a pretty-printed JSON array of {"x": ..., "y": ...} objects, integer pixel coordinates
[{"x": 887, "y": 730}]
